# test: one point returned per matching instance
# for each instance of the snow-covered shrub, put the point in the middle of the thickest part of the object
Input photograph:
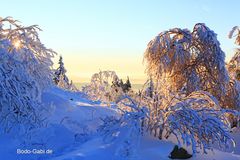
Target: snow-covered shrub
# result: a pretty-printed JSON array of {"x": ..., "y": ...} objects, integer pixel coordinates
[
  {"x": 196, "y": 120},
  {"x": 125, "y": 131},
  {"x": 100, "y": 87},
  {"x": 200, "y": 121},
  {"x": 183, "y": 62},
  {"x": 25, "y": 45},
  {"x": 60, "y": 78}
]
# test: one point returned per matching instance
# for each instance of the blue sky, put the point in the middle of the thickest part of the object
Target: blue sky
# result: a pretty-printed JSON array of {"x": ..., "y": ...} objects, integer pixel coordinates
[{"x": 93, "y": 35}]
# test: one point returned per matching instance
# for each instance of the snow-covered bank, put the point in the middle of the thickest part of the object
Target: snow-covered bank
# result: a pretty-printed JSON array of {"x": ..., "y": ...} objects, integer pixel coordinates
[{"x": 72, "y": 120}]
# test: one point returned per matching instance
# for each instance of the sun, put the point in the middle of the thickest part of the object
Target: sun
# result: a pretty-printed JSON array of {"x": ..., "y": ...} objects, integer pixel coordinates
[{"x": 17, "y": 44}]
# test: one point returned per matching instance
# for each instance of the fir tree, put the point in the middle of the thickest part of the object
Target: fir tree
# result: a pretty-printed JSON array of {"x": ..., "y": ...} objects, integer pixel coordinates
[
  {"x": 60, "y": 78},
  {"x": 60, "y": 72},
  {"x": 116, "y": 85},
  {"x": 121, "y": 83},
  {"x": 124, "y": 86},
  {"x": 127, "y": 85}
]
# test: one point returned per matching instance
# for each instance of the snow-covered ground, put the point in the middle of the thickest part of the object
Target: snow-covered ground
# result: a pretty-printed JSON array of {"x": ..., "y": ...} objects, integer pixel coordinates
[{"x": 71, "y": 134}]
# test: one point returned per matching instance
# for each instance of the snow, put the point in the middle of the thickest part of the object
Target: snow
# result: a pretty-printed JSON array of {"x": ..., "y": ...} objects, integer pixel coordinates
[
  {"x": 236, "y": 136},
  {"x": 74, "y": 110},
  {"x": 72, "y": 134},
  {"x": 40, "y": 122}
]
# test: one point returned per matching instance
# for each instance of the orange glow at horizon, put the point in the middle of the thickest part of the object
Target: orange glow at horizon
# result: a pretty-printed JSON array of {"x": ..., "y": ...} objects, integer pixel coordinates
[{"x": 80, "y": 68}]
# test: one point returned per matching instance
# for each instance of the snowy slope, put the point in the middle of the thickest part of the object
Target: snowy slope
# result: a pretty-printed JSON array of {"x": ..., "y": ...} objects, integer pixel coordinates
[
  {"x": 71, "y": 133},
  {"x": 72, "y": 120}
]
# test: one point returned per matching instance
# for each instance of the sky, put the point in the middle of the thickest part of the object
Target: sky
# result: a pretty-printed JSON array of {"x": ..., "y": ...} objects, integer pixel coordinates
[{"x": 94, "y": 35}]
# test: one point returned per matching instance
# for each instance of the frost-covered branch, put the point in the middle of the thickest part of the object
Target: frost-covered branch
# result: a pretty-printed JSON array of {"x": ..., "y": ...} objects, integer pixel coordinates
[{"x": 26, "y": 46}]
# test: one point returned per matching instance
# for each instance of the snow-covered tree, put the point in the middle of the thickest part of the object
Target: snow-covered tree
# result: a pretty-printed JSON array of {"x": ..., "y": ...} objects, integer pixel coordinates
[
  {"x": 183, "y": 62},
  {"x": 191, "y": 87},
  {"x": 104, "y": 87},
  {"x": 60, "y": 78},
  {"x": 25, "y": 70},
  {"x": 20, "y": 96},
  {"x": 234, "y": 63},
  {"x": 234, "y": 71},
  {"x": 60, "y": 71},
  {"x": 127, "y": 86},
  {"x": 26, "y": 46}
]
